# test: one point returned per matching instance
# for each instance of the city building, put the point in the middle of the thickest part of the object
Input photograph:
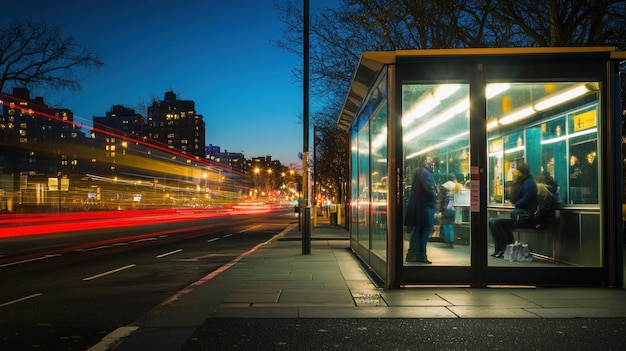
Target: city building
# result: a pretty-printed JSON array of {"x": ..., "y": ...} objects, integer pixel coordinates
[
  {"x": 235, "y": 161},
  {"x": 48, "y": 163},
  {"x": 176, "y": 124},
  {"x": 122, "y": 120},
  {"x": 39, "y": 149}
]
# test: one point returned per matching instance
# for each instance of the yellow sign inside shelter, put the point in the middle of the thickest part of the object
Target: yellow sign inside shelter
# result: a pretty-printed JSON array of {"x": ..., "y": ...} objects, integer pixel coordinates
[{"x": 584, "y": 120}]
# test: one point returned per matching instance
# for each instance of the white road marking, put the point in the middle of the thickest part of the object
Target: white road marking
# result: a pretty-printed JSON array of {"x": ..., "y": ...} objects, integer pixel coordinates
[
  {"x": 245, "y": 230},
  {"x": 112, "y": 338},
  {"x": 169, "y": 253},
  {"x": 144, "y": 239},
  {"x": 212, "y": 240},
  {"x": 195, "y": 259},
  {"x": 227, "y": 235},
  {"x": 109, "y": 272},
  {"x": 31, "y": 260},
  {"x": 189, "y": 288},
  {"x": 20, "y": 300}
]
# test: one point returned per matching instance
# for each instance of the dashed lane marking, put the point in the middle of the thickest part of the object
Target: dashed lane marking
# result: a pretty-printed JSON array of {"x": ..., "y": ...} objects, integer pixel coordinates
[
  {"x": 30, "y": 260},
  {"x": 142, "y": 240},
  {"x": 208, "y": 277},
  {"x": 20, "y": 299},
  {"x": 169, "y": 253},
  {"x": 249, "y": 229},
  {"x": 109, "y": 272}
]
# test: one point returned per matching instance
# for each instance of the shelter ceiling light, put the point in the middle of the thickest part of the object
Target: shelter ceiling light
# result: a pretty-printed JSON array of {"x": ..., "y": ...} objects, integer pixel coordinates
[
  {"x": 429, "y": 102},
  {"x": 562, "y": 97},
  {"x": 461, "y": 107},
  {"x": 496, "y": 89},
  {"x": 545, "y": 103}
]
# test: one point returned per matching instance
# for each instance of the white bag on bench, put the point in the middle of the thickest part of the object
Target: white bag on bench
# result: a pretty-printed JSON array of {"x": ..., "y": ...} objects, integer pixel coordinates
[{"x": 517, "y": 252}]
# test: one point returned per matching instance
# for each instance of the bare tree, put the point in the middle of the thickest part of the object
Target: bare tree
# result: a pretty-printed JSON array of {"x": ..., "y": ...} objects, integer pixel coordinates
[
  {"x": 35, "y": 54},
  {"x": 339, "y": 35},
  {"x": 331, "y": 152},
  {"x": 563, "y": 22}
]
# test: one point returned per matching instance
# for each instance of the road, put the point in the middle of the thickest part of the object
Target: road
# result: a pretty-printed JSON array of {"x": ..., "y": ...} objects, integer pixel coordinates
[
  {"x": 66, "y": 291},
  {"x": 382, "y": 334}
]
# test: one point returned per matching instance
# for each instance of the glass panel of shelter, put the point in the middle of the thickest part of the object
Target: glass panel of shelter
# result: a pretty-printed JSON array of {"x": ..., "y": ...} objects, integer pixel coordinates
[
  {"x": 552, "y": 127},
  {"x": 435, "y": 127},
  {"x": 354, "y": 187},
  {"x": 378, "y": 179},
  {"x": 364, "y": 187}
]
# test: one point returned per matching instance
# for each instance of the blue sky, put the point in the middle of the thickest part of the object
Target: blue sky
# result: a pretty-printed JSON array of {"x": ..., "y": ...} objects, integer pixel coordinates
[{"x": 217, "y": 53}]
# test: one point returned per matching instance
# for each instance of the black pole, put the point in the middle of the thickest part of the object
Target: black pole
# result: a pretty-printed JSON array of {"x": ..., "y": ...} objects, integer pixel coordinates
[
  {"x": 315, "y": 165},
  {"x": 306, "y": 228}
]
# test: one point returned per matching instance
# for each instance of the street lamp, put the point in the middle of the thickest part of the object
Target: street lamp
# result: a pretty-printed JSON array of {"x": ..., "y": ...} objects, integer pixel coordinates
[{"x": 306, "y": 231}]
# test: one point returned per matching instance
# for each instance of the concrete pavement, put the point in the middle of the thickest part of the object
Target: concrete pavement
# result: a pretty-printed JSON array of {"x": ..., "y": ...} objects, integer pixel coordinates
[{"x": 275, "y": 281}]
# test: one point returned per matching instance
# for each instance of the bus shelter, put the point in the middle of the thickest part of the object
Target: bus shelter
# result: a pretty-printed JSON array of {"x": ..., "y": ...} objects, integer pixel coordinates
[{"x": 478, "y": 115}]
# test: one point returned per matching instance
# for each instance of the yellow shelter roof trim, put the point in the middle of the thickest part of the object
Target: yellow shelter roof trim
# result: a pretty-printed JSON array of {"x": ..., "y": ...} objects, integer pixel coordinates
[
  {"x": 373, "y": 61},
  {"x": 388, "y": 57}
]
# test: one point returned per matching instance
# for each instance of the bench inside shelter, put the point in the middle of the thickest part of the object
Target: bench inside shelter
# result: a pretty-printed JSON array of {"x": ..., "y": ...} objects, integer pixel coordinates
[{"x": 537, "y": 237}]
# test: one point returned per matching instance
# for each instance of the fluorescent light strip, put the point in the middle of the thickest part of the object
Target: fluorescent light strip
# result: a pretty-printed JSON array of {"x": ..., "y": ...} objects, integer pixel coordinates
[
  {"x": 380, "y": 139},
  {"x": 517, "y": 115},
  {"x": 492, "y": 125},
  {"x": 573, "y": 135},
  {"x": 514, "y": 149},
  {"x": 436, "y": 146},
  {"x": 445, "y": 90},
  {"x": 495, "y": 89},
  {"x": 429, "y": 102},
  {"x": 561, "y": 98},
  {"x": 541, "y": 105},
  {"x": 507, "y": 151},
  {"x": 419, "y": 110},
  {"x": 462, "y": 106}
]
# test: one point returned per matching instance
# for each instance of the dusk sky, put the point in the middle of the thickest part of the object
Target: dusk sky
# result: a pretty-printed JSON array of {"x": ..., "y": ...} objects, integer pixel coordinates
[{"x": 217, "y": 53}]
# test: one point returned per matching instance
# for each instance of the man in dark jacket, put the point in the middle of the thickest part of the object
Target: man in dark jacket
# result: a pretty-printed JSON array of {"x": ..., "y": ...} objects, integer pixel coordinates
[
  {"x": 420, "y": 212},
  {"x": 524, "y": 197}
]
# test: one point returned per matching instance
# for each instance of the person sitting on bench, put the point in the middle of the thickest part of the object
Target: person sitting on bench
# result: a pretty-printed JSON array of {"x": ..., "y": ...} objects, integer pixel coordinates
[
  {"x": 524, "y": 197},
  {"x": 547, "y": 202}
]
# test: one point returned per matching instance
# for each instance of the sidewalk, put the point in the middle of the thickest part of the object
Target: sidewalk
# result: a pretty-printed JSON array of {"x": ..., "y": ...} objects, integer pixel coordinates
[{"x": 276, "y": 281}]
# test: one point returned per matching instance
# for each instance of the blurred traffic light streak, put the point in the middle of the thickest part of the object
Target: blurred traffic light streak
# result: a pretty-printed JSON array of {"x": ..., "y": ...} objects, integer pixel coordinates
[
  {"x": 103, "y": 169},
  {"x": 15, "y": 225}
]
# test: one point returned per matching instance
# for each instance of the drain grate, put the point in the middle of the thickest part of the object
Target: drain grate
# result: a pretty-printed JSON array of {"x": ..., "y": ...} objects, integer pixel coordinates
[{"x": 368, "y": 299}]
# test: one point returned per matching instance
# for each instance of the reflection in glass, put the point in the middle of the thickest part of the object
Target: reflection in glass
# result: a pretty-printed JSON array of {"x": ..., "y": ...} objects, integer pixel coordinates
[
  {"x": 363, "y": 186},
  {"x": 435, "y": 122},
  {"x": 553, "y": 127},
  {"x": 378, "y": 165}
]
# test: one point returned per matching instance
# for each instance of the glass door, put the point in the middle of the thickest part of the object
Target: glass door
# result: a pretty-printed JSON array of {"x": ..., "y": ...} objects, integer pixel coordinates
[{"x": 435, "y": 146}]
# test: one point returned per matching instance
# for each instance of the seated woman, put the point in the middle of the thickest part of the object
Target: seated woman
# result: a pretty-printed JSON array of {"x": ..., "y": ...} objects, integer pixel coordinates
[
  {"x": 524, "y": 197},
  {"x": 547, "y": 202}
]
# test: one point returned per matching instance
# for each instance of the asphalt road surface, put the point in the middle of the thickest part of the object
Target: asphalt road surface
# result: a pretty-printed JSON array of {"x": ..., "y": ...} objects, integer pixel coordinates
[
  {"x": 409, "y": 334},
  {"x": 67, "y": 291}
]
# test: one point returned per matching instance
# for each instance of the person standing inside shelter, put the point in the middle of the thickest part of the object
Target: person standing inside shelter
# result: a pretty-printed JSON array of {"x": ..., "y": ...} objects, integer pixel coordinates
[
  {"x": 420, "y": 212},
  {"x": 449, "y": 189},
  {"x": 524, "y": 197}
]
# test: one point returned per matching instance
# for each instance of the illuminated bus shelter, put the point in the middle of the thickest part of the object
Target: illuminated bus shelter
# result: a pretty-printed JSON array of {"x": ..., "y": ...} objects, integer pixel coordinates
[{"x": 479, "y": 114}]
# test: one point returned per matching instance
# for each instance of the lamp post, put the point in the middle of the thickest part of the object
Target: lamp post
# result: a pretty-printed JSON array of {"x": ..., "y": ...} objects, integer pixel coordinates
[{"x": 306, "y": 227}]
